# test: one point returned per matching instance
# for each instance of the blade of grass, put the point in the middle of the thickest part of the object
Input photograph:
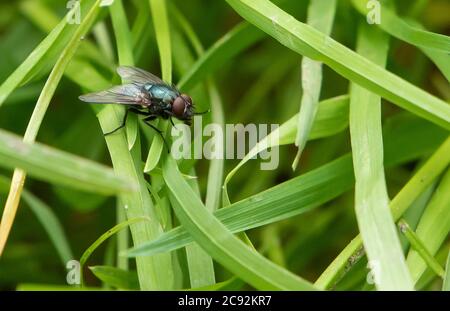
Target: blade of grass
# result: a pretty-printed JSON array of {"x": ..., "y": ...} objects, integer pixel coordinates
[
  {"x": 320, "y": 16},
  {"x": 376, "y": 226},
  {"x": 59, "y": 167},
  {"x": 200, "y": 264},
  {"x": 398, "y": 28},
  {"x": 433, "y": 227},
  {"x": 45, "y": 19},
  {"x": 41, "y": 56},
  {"x": 48, "y": 220},
  {"x": 115, "y": 277},
  {"x": 162, "y": 30},
  {"x": 40, "y": 109},
  {"x": 125, "y": 56},
  {"x": 332, "y": 117},
  {"x": 420, "y": 248},
  {"x": 88, "y": 252},
  {"x": 432, "y": 168},
  {"x": 213, "y": 236},
  {"x": 309, "y": 42},
  {"x": 101, "y": 35},
  {"x": 401, "y": 29},
  {"x": 446, "y": 285}
]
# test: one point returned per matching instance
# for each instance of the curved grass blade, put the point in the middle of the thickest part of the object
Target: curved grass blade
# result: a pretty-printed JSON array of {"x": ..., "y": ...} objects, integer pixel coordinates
[
  {"x": 376, "y": 226},
  {"x": 446, "y": 285},
  {"x": 43, "y": 54},
  {"x": 332, "y": 118},
  {"x": 398, "y": 28},
  {"x": 162, "y": 30},
  {"x": 320, "y": 16},
  {"x": 88, "y": 252},
  {"x": 433, "y": 227},
  {"x": 214, "y": 237},
  {"x": 406, "y": 30},
  {"x": 125, "y": 56},
  {"x": 309, "y": 42},
  {"x": 115, "y": 277},
  {"x": 60, "y": 167},
  {"x": 420, "y": 248}
]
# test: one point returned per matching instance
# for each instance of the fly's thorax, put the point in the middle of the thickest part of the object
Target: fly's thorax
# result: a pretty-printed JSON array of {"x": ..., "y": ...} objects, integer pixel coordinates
[{"x": 162, "y": 93}]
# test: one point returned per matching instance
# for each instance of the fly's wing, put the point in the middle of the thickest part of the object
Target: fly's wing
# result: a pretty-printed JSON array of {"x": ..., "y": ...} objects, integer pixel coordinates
[
  {"x": 137, "y": 75},
  {"x": 121, "y": 94}
]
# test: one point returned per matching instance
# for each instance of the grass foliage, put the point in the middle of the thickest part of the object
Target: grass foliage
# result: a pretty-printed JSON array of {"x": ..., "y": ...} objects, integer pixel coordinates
[{"x": 362, "y": 183}]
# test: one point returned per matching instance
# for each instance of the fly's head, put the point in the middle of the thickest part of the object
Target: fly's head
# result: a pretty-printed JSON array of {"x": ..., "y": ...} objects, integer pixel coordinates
[{"x": 182, "y": 108}]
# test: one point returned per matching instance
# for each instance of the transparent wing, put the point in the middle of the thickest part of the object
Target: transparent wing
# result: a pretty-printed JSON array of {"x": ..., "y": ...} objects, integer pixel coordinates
[
  {"x": 121, "y": 94},
  {"x": 137, "y": 75}
]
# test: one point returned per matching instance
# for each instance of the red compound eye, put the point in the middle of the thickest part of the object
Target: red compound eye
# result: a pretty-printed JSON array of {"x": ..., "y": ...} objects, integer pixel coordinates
[{"x": 178, "y": 107}]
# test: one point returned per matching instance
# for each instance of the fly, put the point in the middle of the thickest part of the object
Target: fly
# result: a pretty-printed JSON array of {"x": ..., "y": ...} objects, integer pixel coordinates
[{"x": 145, "y": 95}]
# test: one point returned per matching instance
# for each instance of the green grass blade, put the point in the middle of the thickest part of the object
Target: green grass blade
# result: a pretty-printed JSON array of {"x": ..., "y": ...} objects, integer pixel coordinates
[
  {"x": 115, "y": 277},
  {"x": 213, "y": 236},
  {"x": 59, "y": 167},
  {"x": 162, "y": 30},
  {"x": 433, "y": 227},
  {"x": 48, "y": 220},
  {"x": 375, "y": 222},
  {"x": 420, "y": 248},
  {"x": 309, "y": 42},
  {"x": 200, "y": 264},
  {"x": 401, "y": 29},
  {"x": 446, "y": 285},
  {"x": 320, "y": 16},
  {"x": 117, "y": 228},
  {"x": 125, "y": 56},
  {"x": 45, "y": 19},
  {"x": 332, "y": 117},
  {"x": 44, "y": 54},
  {"x": 398, "y": 28}
]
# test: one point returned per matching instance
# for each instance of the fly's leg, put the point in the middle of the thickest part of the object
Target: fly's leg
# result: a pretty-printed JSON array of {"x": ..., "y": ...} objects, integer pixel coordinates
[
  {"x": 124, "y": 121},
  {"x": 171, "y": 121},
  {"x": 150, "y": 118}
]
